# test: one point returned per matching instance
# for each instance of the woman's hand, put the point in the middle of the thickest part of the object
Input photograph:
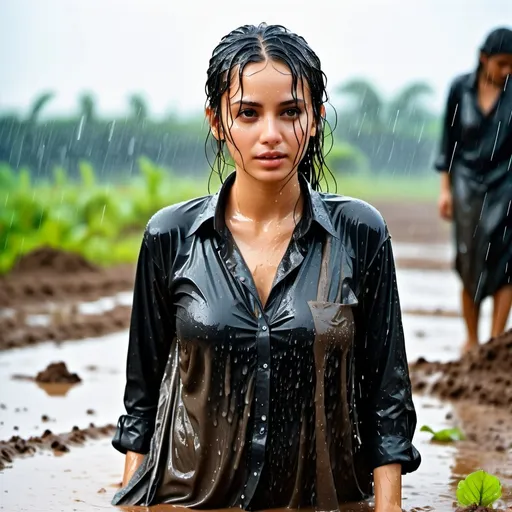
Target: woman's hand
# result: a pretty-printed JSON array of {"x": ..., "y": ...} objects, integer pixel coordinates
[
  {"x": 388, "y": 488},
  {"x": 132, "y": 462},
  {"x": 445, "y": 204},
  {"x": 389, "y": 508}
]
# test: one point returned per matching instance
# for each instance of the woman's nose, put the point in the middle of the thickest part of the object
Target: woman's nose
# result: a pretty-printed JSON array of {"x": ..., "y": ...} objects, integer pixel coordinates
[{"x": 270, "y": 131}]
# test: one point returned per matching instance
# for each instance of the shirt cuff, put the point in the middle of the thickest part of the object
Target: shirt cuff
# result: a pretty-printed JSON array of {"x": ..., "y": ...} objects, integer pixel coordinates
[
  {"x": 441, "y": 165},
  {"x": 394, "y": 450},
  {"x": 133, "y": 434}
]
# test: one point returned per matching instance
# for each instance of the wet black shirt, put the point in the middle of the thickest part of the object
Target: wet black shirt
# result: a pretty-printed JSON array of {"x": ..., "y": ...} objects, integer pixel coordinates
[
  {"x": 476, "y": 149},
  {"x": 475, "y": 144},
  {"x": 291, "y": 404}
]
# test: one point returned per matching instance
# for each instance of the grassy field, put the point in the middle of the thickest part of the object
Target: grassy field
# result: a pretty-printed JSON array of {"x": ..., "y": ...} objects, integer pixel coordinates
[{"x": 392, "y": 188}]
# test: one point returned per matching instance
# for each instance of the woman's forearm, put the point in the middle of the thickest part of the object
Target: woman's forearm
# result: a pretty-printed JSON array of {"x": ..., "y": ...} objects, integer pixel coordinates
[
  {"x": 132, "y": 461},
  {"x": 388, "y": 488},
  {"x": 445, "y": 182}
]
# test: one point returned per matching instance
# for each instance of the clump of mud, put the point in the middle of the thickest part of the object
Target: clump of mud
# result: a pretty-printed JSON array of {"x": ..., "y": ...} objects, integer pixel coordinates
[
  {"x": 57, "y": 373},
  {"x": 59, "y": 443},
  {"x": 482, "y": 375},
  {"x": 54, "y": 275},
  {"x": 15, "y": 332},
  {"x": 47, "y": 259}
]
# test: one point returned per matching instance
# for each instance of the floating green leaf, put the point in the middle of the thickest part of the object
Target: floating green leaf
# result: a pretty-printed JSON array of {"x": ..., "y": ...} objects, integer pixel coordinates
[
  {"x": 479, "y": 488},
  {"x": 446, "y": 435}
]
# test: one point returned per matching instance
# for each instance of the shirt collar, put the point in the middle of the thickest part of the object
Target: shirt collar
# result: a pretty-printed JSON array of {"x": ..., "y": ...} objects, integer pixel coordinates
[
  {"x": 472, "y": 81},
  {"x": 315, "y": 210}
]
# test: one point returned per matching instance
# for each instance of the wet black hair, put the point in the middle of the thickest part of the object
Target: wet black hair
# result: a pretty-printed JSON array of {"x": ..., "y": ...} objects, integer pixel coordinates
[
  {"x": 497, "y": 42},
  {"x": 248, "y": 44}
]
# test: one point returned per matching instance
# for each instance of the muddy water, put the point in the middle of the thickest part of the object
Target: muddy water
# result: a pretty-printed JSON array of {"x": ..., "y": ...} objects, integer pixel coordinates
[{"x": 86, "y": 478}]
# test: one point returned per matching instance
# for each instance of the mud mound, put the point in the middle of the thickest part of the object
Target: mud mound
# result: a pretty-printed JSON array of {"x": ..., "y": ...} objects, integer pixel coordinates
[
  {"x": 482, "y": 375},
  {"x": 59, "y": 443},
  {"x": 19, "y": 289},
  {"x": 51, "y": 260},
  {"x": 57, "y": 373},
  {"x": 15, "y": 332}
]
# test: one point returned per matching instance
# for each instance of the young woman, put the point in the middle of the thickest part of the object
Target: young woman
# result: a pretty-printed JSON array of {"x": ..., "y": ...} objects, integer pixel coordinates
[
  {"x": 476, "y": 182},
  {"x": 266, "y": 360}
]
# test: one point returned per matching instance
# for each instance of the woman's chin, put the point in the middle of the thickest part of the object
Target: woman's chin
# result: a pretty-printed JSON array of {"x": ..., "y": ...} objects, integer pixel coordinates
[{"x": 272, "y": 176}]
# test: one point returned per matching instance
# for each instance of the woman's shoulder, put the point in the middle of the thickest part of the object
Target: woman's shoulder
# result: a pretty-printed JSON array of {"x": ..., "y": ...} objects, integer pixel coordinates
[
  {"x": 354, "y": 217},
  {"x": 462, "y": 80},
  {"x": 176, "y": 217}
]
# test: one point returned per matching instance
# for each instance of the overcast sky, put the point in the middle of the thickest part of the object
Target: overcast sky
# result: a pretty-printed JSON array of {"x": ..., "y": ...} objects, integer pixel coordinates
[{"x": 161, "y": 48}]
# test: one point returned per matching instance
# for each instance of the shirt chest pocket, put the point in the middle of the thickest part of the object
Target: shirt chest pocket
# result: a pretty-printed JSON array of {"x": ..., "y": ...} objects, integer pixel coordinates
[{"x": 334, "y": 324}]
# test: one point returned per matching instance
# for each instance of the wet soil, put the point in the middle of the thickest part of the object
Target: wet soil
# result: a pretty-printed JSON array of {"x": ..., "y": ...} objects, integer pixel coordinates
[
  {"x": 482, "y": 375},
  {"x": 62, "y": 323},
  {"x": 57, "y": 373},
  {"x": 414, "y": 221},
  {"x": 17, "y": 446},
  {"x": 49, "y": 275}
]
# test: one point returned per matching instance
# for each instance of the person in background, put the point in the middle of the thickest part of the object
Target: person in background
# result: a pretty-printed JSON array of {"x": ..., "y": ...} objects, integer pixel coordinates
[
  {"x": 475, "y": 163},
  {"x": 266, "y": 359}
]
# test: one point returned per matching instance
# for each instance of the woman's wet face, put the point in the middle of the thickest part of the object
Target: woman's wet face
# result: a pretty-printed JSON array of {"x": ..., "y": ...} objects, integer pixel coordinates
[
  {"x": 497, "y": 67},
  {"x": 266, "y": 124}
]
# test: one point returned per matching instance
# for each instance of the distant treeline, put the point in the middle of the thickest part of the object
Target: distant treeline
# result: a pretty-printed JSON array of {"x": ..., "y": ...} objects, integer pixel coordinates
[{"x": 397, "y": 136}]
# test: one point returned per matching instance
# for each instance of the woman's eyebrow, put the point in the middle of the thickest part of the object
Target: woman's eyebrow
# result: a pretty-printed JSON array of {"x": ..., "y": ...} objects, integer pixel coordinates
[{"x": 256, "y": 104}]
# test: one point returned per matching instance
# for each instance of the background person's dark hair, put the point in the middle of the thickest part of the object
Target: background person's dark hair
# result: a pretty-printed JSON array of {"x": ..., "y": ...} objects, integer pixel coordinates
[
  {"x": 498, "y": 41},
  {"x": 248, "y": 44}
]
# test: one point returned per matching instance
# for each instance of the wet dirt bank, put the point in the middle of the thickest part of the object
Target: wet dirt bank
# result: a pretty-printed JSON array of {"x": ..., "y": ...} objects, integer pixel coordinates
[
  {"x": 483, "y": 375},
  {"x": 17, "y": 446},
  {"x": 49, "y": 275},
  {"x": 58, "y": 323},
  {"x": 43, "y": 298}
]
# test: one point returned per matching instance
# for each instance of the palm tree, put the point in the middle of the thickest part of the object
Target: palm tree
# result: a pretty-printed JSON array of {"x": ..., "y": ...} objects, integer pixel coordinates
[
  {"x": 138, "y": 107},
  {"x": 88, "y": 107},
  {"x": 409, "y": 103},
  {"x": 368, "y": 102},
  {"x": 38, "y": 105}
]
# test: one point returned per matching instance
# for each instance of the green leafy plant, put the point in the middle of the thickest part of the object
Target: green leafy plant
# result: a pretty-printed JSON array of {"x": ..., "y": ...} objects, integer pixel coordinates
[
  {"x": 446, "y": 435},
  {"x": 102, "y": 221},
  {"x": 479, "y": 488}
]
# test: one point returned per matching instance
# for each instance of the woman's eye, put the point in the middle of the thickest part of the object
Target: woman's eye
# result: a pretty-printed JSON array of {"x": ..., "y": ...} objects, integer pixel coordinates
[
  {"x": 292, "y": 112},
  {"x": 248, "y": 113}
]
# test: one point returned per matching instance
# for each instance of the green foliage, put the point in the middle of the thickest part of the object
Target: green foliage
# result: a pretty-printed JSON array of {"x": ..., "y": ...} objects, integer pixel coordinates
[
  {"x": 479, "y": 488},
  {"x": 99, "y": 221},
  {"x": 346, "y": 159},
  {"x": 104, "y": 222},
  {"x": 446, "y": 435}
]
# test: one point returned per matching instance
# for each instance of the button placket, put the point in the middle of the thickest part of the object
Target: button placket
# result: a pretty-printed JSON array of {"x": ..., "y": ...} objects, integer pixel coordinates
[{"x": 261, "y": 411}]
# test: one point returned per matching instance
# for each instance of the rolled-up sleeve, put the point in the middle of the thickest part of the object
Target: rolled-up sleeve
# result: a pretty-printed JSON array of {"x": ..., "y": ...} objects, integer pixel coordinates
[
  {"x": 150, "y": 336},
  {"x": 448, "y": 143},
  {"x": 386, "y": 410}
]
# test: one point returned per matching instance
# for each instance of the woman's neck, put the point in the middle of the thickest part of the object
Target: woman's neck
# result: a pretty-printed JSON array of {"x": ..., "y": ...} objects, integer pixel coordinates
[
  {"x": 486, "y": 82},
  {"x": 262, "y": 203}
]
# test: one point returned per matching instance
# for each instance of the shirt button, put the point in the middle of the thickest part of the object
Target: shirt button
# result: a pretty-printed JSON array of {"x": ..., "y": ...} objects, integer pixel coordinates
[
  {"x": 263, "y": 418},
  {"x": 262, "y": 430},
  {"x": 242, "y": 279},
  {"x": 265, "y": 365},
  {"x": 264, "y": 328}
]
